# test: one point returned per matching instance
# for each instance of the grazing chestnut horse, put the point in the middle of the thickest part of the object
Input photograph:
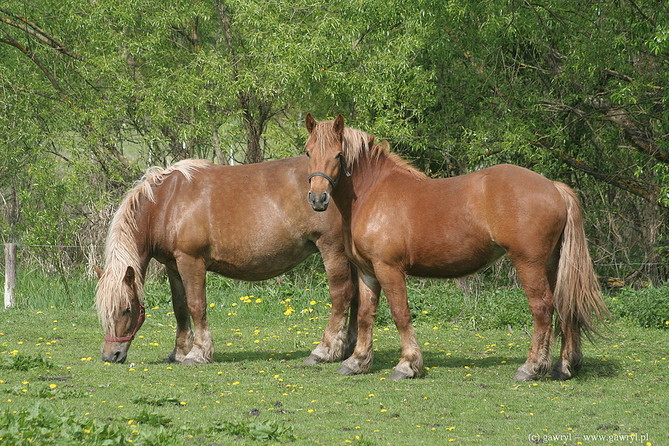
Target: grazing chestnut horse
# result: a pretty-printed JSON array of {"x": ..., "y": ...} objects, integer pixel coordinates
[
  {"x": 196, "y": 217},
  {"x": 397, "y": 222}
]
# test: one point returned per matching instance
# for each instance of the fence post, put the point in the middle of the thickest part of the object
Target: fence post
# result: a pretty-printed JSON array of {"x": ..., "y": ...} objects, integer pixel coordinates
[{"x": 10, "y": 273}]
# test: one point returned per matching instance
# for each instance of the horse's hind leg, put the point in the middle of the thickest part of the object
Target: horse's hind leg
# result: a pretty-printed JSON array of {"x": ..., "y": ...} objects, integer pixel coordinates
[
  {"x": 571, "y": 357},
  {"x": 535, "y": 282},
  {"x": 193, "y": 273},
  {"x": 184, "y": 336}
]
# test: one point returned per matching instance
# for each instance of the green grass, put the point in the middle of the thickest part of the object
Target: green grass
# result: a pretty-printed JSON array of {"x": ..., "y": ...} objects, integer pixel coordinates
[{"x": 55, "y": 390}]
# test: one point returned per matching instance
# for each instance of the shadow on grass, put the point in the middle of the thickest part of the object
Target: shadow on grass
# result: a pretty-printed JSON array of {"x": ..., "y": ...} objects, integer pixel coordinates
[
  {"x": 260, "y": 355},
  {"x": 591, "y": 369},
  {"x": 386, "y": 359}
]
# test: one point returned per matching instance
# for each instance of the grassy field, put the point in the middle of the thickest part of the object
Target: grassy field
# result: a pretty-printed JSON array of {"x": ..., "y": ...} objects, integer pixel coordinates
[{"x": 55, "y": 390}]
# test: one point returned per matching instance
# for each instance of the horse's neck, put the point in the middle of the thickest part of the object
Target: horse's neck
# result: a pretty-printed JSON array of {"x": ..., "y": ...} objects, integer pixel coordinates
[
  {"x": 366, "y": 173},
  {"x": 370, "y": 171}
]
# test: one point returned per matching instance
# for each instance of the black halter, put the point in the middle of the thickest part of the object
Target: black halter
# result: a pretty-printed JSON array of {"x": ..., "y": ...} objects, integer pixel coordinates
[{"x": 332, "y": 181}]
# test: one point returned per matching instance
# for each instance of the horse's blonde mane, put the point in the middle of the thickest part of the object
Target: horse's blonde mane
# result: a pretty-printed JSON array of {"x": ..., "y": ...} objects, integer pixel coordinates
[
  {"x": 356, "y": 145},
  {"x": 121, "y": 247}
]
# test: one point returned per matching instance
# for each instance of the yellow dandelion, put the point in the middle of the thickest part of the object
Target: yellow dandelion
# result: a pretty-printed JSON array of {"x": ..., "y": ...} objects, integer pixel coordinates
[{"x": 53, "y": 386}]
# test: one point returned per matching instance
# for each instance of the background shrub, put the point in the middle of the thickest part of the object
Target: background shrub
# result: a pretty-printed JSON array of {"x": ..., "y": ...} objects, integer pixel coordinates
[{"x": 646, "y": 307}]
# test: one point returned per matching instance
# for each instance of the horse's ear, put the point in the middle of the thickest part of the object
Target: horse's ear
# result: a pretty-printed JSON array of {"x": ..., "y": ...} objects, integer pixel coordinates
[
  {"x": 370, "y": 143},
  {"x": 310, "y": 122},
  {"x": 339, "y": 125},
  {"x": 129, "y": 278}
]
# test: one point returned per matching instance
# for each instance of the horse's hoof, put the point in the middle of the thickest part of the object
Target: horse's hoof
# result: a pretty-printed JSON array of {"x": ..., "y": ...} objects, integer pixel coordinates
[
  {"x": 313, "y": 359},
  {"x": 194, "y": 360},
  {"x": 343, "y": 370},
  {"x": 399, "y": 375},
  {"x": 523, "y": 375},
  {"x": 559, "y": 375}
]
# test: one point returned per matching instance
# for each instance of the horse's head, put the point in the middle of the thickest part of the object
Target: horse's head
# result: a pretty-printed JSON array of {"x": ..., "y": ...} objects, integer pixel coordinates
[
  {"x": 326, "y": 161},
  {"x": 122, "y": 315}
]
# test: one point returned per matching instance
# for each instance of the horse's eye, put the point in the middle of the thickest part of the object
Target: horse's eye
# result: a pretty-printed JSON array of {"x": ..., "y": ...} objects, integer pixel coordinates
[
  {"x": 127, "y": 312},
  {"x": 308, "y": 155}
]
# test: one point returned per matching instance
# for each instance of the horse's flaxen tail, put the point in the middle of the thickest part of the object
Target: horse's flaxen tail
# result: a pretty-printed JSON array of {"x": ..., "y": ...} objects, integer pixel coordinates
[{"x": 577, "y": 296}]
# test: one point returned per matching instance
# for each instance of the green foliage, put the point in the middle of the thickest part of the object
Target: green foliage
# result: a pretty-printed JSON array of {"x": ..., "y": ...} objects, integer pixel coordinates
[
  {"x": 46, "y": 425},
  {"x": 152, "y": 418},
  {"x": 24, "y": 362},
  {"x": 257, "y": 430},
  {"x": 93, "y": 93},
  {"x": 646, "y": 307}
]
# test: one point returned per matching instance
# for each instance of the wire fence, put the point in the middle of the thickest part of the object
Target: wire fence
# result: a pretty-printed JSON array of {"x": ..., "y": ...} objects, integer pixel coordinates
[{"x": 68, "y": 259}]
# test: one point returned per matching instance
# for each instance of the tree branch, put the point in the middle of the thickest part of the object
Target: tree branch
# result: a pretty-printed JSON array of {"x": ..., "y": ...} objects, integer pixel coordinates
[
  {"x": 32, "y": 29},
  {"x": 638, "y": 136},
  {"x": 648, "y": 191},
  {"x": 32, "y": 56}
]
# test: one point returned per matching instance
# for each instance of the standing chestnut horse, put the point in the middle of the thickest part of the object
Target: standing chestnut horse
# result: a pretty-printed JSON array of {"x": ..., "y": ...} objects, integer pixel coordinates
[
  {"x": 196, "y": 217},
  {"x": 397, "y": 222}
]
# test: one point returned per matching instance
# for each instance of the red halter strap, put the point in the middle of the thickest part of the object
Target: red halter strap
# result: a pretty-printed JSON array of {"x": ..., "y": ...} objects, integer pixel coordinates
[{"x": 140, "y": 320}]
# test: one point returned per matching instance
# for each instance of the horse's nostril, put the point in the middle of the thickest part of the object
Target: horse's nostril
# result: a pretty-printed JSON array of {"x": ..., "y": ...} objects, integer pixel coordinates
[{"x": 118, "y": 356}]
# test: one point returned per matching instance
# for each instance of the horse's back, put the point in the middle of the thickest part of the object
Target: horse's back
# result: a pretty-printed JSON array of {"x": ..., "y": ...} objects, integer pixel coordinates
[
  {"x": 246, "y": 221},
  {"x": 454, "y": 226}
]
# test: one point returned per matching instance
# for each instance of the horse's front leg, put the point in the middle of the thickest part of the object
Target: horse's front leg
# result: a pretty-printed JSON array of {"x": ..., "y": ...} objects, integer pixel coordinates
[
  {"x": 393, "y": 282},
  {"x": 361, "y": 359},
  {"x": 184, "y": 336},
  {"x": 193, "y": 273},
  {"x": 339, "y": 337}
]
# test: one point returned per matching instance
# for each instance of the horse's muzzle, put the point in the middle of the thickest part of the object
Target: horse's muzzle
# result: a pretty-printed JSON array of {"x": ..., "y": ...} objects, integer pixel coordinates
[
  {"x": 115, "y": 351},
  {"x": 318, "y": 201}
]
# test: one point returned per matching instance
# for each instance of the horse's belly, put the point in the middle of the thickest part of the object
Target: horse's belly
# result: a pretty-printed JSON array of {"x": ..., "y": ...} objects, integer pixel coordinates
[
  {"x": 442, "y": 263},
  {"x": 253, "y": 264}
]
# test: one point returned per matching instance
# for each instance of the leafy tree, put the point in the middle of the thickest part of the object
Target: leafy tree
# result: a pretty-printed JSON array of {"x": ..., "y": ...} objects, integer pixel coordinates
[{"x": 93, "y": 92}]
